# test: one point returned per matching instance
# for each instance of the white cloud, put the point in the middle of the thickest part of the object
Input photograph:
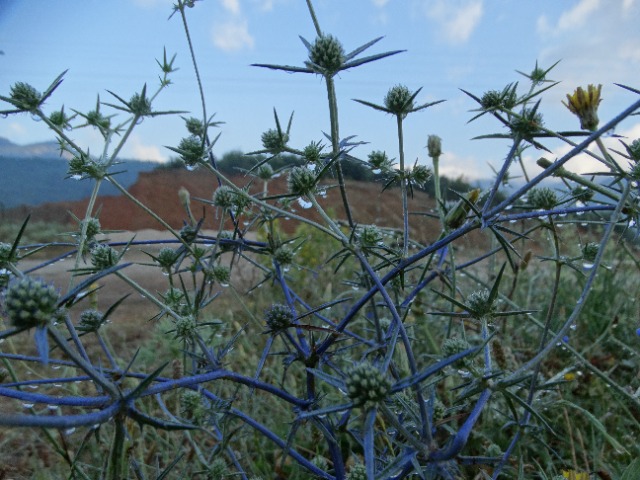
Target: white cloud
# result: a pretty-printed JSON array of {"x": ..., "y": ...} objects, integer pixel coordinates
[
  {"x": 455, "y": 166},
  {"x": 232, "y": 6},
  {"x": 457, "y": 19},
  {"x": 232, "y": 35},
  {"x": 140, "y": 151},
  {"x": 578, "y": 15}
]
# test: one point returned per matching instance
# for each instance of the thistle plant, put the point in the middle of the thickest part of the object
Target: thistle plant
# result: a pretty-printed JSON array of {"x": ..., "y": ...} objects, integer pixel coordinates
[{"x": 336, "y": 351}]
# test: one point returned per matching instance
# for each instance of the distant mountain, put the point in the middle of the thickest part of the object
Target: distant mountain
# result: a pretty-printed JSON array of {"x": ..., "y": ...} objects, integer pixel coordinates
[{"x": 36, "y": 173}]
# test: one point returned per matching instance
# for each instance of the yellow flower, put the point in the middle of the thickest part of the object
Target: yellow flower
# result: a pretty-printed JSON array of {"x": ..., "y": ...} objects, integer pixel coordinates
[
  {"x": 585, "y": 106},
  {"x": 573, "y": 475}
]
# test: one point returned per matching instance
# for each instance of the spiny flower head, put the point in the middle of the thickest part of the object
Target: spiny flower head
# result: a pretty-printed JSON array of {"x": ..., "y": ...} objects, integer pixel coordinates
[
  {"x": 585, "y": 106},
  {"x": 326, "y": 55},
  {"x": 279, "y": 317},
  {"x": 634, "y": 150},
  {"x": 24, "y": 96},
  {"x": 103, "y": 256},
  {"x": 399, "y": 100},
  {"x": 365, "y": 383},
  {"x": 480, "y": 304},
  {"x": 274, "y": 141},
  {"x": 224, "y": 197},
  {"x": 543, "y": 198},
  {"x": 301, "y": 181},
  {"x": 191, "y": 150},
  {"x": 90, "y": 320},
  {"x": 29, "y": 302}
]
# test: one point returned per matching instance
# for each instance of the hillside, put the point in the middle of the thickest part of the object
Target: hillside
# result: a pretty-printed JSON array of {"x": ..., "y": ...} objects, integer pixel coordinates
[
  {"x": 159, "y": 191},
  {"x": 34, "y": 174}
]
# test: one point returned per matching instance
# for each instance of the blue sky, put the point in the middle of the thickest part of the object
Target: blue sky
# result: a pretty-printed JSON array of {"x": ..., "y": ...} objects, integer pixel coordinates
[{"x": 472, "y": 44}]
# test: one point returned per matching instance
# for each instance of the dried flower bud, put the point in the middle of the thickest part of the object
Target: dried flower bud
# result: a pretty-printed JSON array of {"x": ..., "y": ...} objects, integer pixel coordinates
[
  {"x": 434, "y": 146},
  {"x": 585, "y": 106}
]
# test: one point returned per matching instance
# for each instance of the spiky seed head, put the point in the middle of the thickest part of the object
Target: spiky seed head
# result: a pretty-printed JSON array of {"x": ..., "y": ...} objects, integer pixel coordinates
[
  {"x": 274, "y": 141},
  {"x": 103, "y": 256},
  {"x": 326, "y": 55},
  {"x": 527, "y": 124},
  {"x": 301, "y": 181},
  {"x": 279, "y": 317},
  {"x": 5, "y": 254},
  {"x": 185, "y": 327},
  {"x": 378, "y": 160},
  {"x": 192, "y": 150},
  {"x": 224, "y": 197},
  {"x": 265, "y": 171},
  {"x": 219, "y": 273},
  {"x": 398, "y": 100},
  {"x": 167, "y": 256},
  {"x": 25, "y": 96},
  {"x": 480, "y": 304},
  {"x": 357, "y": 472},
  {"x": 90, "y": 320},
  {"x": 194, "y": 126},
  {"x": 590, "y": 250},
  {"x": 140, "y": 105},
  {"x": 370, "y": 236},
  {"x": 93, "y": 227},
  {"x": 454, "y": 345},
  {"x": 543, "y": 198},
  {"x": 365, "y": 383},
  {"x": 283, "y": 255},
  {"x": 312, "y": 153},
  {"x": 582, "y": 194},
  {"x": 188, "y": 233},
  {"x": 30, "y": 302},
  {"x": 633, "y": 149}
]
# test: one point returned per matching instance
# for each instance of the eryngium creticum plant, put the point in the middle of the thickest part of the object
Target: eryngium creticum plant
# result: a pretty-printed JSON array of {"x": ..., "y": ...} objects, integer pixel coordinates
[{"x": 420, "y": 361}]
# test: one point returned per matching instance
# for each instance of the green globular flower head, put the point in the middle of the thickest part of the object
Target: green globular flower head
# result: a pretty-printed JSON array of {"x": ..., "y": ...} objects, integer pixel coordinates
[
  {"x": 264, "y": 172},
  {"x": 279, "y": 317},
  {"x": 634, "y": 150},
  {"x": 499, "y": 100},
  {"x": 6, "y": 256},
  {"x": 93, "y": 227},
  {"x": 194, "y": 126},
  {"x": 60, "y": 119},
  {"x": 90, "y": 321},
  {"x": 185, "y": 327},
  {"x": 25, "y": 97},
  {"x": 326, "y": 55},
  {"x": 224, "y": 197},
  {"x": 273, "y": 141},
  {"x": 398, "y": 100},
  {"x": 312, "y": 153},
  {"x": 582, "y": 194},
  {"x": 527, "y": 124},
  {"x": 30, "y": 303},
  {"x": 301, "y": 181},
  {"x": 188, "y": 233},
  {"x": 191, "y": 150},
  {"x": 140, "y": 105},
  {"x": 379, "y": 161},
  {"x": 480, "y": 304},
  {"x": 370, "y": 236},
  {"x": 357, "y": 472},
  {"x": 452, "y": 346},
  {"x": 543, "y": 198},
  {"x": 103, "y": 256},
  {"x": 167, "y": 256},
  {"x": 219, "y": 273},
  {"x": 283, "y": 255},
  {"x": 365, "y": 384},
  {"x": 590, "y": 250}
]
